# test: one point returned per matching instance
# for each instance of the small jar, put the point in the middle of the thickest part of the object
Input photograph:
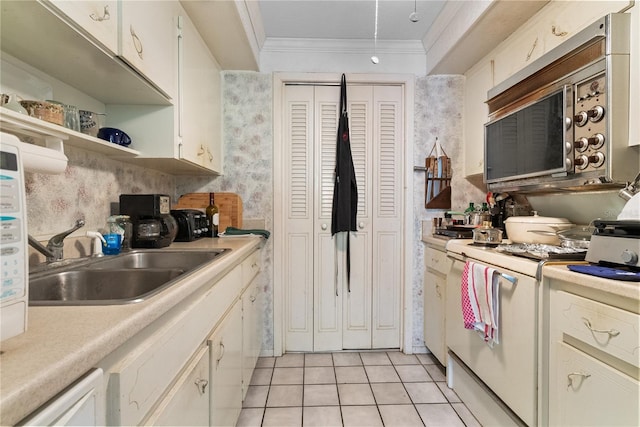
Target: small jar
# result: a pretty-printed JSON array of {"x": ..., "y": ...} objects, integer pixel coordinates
[
  {"x": 72, "y": 117},
  {"x": 124, "y": 222},
  {"x": 114, "y": 236}
]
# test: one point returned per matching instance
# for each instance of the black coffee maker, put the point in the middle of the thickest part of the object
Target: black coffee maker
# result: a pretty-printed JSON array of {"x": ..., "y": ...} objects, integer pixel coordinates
[{"x": 153, "y": 225}]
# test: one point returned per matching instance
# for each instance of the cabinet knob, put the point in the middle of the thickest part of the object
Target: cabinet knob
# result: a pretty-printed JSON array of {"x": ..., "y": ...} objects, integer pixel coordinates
[
  {"x": 323, "y": 226},
  {"x": 575, "y": 376},
  {"x": 105, "y": 15},
  {"x": 361, "y": 225},
  {"x": 202, "y": 384}
]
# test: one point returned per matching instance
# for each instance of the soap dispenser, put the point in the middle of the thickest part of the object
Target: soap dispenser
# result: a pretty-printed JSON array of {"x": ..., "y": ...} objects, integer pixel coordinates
[{"x": 97, "y": 240}]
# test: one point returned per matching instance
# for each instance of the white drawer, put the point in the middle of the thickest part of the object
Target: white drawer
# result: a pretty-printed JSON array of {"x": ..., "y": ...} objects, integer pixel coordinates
[
  {"x": 587, "y": 392},
  {"x": 250, "y": 267},
  {"x": 437, "y": 260},
  {"x": 144, "y": 374},
  {"x": 614, "y": 331}
]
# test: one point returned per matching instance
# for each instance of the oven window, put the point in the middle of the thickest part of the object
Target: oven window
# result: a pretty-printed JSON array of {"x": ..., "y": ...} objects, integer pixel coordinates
[{"x": 528, "y": 142}]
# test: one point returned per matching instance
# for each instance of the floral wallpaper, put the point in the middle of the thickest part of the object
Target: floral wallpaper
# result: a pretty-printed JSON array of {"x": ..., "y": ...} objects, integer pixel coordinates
[
  {"x": 438, "y": 114},
  {"x": 248, "y": 165},
  {"x": 89, "y": 187},
  {"x": 92, "y": 183}
]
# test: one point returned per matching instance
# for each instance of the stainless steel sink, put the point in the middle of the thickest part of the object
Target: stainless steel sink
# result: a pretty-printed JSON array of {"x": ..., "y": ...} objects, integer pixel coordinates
[
  {"x": 127, "y": 278},
  {"x": 99, "y": 286},
  {"x": 185, "y": 260}
]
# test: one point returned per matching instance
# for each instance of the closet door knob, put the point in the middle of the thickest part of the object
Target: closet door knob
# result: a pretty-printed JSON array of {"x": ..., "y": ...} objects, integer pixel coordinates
[
  {"x": 323, "y": 226},
  {"x": 361, "y": 225}
]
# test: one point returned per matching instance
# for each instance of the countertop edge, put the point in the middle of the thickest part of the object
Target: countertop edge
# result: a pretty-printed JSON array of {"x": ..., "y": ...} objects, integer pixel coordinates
[{"x": 55, "y": 368}]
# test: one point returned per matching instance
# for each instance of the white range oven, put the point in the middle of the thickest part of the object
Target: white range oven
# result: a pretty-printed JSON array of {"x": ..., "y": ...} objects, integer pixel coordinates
[{"x": 498, "y": 383}]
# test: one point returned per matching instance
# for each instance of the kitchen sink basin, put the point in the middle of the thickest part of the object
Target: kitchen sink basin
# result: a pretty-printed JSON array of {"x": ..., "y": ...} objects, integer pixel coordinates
[
  {"x": 127, "y": 278},
  {"x": 99, "y": 286},
  {"x": 185, "y": 260}
]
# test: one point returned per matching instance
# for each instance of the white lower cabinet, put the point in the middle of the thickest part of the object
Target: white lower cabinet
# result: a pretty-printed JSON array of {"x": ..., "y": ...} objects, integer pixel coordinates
[
  {"x": 187, "y": 403},
  {"x": 226, "y": 369},
  {"x": 593, "y": 359},
  {"x": 187, "y": 367},
  {"x": 251, "y": 320},
  {"x": 587, "y": 392},
  {"x": 82, "y": 404},
  {"x": 435, "y": 284}
]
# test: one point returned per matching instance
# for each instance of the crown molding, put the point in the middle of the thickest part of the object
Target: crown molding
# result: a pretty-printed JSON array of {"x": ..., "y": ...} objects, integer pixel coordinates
[{"x": 304, "y": 45}]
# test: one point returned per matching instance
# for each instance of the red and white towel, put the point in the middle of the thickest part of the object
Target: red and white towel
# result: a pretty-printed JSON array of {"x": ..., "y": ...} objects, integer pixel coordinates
[{"x": 480, "y": 300}]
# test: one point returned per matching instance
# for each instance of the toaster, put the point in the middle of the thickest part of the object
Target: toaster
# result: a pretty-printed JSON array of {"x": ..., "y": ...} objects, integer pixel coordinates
[{"x": 192, "y": 224}]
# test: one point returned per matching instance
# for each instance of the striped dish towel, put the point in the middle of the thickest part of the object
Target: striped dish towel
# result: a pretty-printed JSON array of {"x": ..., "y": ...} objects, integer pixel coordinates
[{"x": 480, "y": 300}]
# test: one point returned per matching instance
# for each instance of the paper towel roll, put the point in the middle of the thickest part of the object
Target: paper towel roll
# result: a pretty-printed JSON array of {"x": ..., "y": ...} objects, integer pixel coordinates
[{"x": 42, "y": 160}]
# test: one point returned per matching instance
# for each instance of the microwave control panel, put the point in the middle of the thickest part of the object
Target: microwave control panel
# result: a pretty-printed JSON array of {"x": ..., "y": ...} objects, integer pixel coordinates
[
  {"x": 13, "y": 240},
  {"x": 590, "y": 124}
]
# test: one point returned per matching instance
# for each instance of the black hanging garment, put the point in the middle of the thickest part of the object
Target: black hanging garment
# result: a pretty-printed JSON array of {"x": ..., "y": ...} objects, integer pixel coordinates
[{"x": 345, "y": 189}]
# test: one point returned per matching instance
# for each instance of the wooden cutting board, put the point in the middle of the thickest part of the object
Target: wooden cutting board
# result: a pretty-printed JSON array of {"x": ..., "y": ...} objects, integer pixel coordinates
[{"x": 229, "y": 207}]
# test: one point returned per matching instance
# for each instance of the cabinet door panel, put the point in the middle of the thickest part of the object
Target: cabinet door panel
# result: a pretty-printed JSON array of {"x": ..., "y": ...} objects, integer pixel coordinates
[
  {"x": 586, "y": 392},
  {"x": 434, "y": 338},
  {"x": 98, "y": 18},
  {"x": 251, "y": 333},
  {"x": 226, "y": 369},
  {"x": 187, "y": 403},
  {"x": 200, "y": 127},
  {"x": 147, "y": 40}
]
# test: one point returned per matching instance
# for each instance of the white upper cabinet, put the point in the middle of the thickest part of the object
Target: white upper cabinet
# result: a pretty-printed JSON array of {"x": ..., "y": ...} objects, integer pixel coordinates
[
  {"x": 184, "y": 138},
  {"x": 65, "y": 44},
  {"x": 479, "y": 80},
  {"x": 146, "y": 40},
  {"x": 98, "y": 18},
  {"x": 554, "y": 24},
  {"x": 200, "y": 116},
  {"x": 634, "y": 83}
]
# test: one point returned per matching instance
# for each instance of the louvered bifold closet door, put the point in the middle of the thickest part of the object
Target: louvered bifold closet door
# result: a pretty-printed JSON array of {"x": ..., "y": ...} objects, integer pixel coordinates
[
  {"x": 329, "y": 270},
  {"x": 342, "y": 310},
  {"x": 388, "y": 119},
  {"x": 299, "y": 218},
  {"x": 356, "y": 315},
  {"x": 322, "y": 311}
]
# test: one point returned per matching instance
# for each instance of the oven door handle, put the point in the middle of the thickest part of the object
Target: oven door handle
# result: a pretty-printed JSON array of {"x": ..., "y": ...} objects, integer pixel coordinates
[{"x": 512, "y": 279}]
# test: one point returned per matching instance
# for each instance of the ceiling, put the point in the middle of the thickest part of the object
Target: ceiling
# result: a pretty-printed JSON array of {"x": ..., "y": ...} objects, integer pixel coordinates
[
  {"x": 347, "y": 19},
  {"x": 236, "y": 31},
  {"x": 457, "y": 33}
]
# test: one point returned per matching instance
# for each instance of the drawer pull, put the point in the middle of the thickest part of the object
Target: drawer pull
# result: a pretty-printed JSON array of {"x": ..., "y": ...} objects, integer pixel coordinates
[
  {"x": 575, "y": 375},
  {"x": 137, "y": 44},
  {"x": 611, "y": 332},
  {"x": 202, "y": 385},
  {"x": 220, "y": 354},
  {"x": 105, "y": 16}
]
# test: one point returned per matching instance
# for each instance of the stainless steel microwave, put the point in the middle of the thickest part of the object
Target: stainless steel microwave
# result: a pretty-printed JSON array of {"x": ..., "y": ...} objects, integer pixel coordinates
[{"x": 563, "y": 121}]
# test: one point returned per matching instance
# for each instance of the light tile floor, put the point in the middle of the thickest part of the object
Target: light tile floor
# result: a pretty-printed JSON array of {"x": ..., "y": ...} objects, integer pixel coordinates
[{"x": 352, "y": 389}]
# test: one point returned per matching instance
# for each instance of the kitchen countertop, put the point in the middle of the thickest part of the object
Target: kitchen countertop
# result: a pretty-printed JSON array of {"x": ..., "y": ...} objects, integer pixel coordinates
[
  {"x": 439, "y": 242},
  {"x": 620, "y": 288},
  {"x": 62, "y": 343}
]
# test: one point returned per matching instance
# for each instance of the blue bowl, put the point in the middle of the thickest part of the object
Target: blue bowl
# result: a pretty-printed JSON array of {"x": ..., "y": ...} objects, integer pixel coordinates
[{"x": 115, "y": 136}]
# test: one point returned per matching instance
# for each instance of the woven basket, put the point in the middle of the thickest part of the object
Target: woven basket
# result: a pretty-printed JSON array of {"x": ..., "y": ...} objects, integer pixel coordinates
[{"x": 46, "y": 111}]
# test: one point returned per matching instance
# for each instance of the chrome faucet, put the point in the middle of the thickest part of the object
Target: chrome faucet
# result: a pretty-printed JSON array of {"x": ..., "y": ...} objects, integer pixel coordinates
[{"x": 54, "y": 249}]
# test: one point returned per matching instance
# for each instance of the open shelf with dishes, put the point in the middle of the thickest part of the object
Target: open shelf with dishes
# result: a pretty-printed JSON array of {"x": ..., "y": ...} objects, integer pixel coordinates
[{"x": 31, "y": 129}]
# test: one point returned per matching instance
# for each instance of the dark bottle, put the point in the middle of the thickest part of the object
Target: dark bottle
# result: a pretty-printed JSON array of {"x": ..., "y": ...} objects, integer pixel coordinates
[{"x": 213, "y": 217}]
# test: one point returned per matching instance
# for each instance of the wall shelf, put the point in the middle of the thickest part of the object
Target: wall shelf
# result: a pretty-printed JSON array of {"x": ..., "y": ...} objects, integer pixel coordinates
[{"x": 54, "y": 136}]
